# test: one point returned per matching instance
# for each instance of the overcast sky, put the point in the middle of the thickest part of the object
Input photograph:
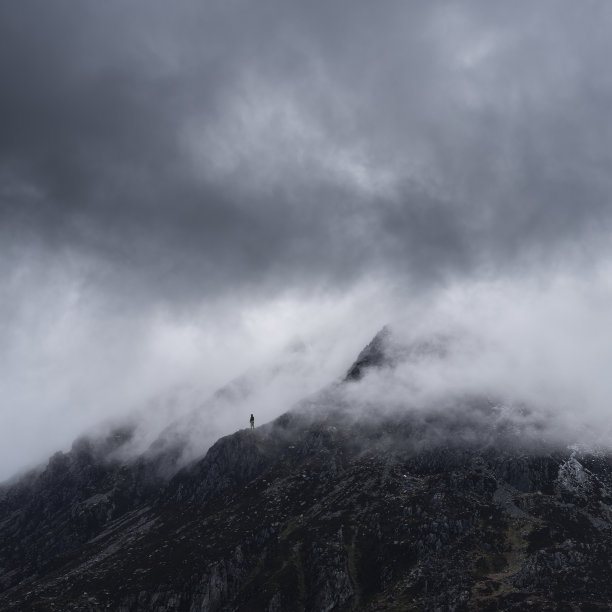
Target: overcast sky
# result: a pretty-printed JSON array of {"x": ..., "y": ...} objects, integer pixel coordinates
[{"x": 186, "y": 186}]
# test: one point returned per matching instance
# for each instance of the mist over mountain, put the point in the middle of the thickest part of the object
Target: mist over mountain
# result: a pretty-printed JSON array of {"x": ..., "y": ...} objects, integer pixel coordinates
[
  {"x": 184, "y": 188},
  {"x": 188, "y": 188},
  {"x": 347, "y": 501}
]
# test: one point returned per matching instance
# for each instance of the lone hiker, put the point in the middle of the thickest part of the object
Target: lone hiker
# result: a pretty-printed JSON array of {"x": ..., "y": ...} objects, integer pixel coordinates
[{"x": 252, "y": 421}]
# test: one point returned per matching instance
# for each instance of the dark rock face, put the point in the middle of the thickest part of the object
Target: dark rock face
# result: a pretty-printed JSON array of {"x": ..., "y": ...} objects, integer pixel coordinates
[
  {"x": 375, "y": 354},
  {"x": 384, "y": 351},
  {"x": 443, "y": 511},
  {"x": 50, "y": 513}
]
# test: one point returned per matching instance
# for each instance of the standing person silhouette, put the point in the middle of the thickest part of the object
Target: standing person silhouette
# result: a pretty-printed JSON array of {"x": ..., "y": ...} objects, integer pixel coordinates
[{"x": 252, "y": 421}]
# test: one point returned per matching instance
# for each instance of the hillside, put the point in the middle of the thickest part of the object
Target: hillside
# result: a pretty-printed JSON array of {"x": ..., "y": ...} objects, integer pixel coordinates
[{"x": 460, "y": 507}]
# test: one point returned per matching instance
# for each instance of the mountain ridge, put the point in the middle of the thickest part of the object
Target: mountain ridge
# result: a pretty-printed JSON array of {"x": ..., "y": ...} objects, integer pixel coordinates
[{"x": 324, "y": 508}]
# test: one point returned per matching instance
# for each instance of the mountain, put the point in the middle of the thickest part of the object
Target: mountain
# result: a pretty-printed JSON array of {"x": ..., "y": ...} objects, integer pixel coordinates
[{"x": 464, "y": 504}]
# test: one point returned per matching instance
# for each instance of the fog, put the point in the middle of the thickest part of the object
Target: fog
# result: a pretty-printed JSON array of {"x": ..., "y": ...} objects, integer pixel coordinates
[
  {"x": 186, "y": 190},
  {"x": 544, "y": 346},
  {"x": 71, "y": 372},
  {"x": 544, "y": 343}
]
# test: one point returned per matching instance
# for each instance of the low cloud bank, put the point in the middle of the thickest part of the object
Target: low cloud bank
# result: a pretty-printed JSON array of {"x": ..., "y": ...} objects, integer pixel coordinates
[{"x": 545, "y": 344}]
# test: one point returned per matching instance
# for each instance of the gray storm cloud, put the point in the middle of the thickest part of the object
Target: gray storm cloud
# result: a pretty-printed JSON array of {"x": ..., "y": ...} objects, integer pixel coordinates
[
  {"x": 177, "y": 181},
  {"x": 194, "y": 150}
]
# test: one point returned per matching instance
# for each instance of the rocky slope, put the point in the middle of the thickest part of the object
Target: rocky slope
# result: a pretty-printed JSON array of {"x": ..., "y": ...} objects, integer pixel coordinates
[{"x": 327, "y": 508}]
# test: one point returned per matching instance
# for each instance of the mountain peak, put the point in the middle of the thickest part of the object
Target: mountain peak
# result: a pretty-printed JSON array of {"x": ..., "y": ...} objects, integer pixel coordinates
[{"x": 375, "y": 354}]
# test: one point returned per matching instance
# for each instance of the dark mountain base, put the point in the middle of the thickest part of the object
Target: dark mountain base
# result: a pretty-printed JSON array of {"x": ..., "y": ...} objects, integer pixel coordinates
[
  {"x": 338, "y": 505},
  {"x": 299, "y": 516}
]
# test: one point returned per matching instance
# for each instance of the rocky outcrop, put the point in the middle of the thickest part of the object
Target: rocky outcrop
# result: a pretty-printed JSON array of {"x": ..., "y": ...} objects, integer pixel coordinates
[
  {"x": 52, "y": 511},
  {"x": 375, "y": 354}
]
